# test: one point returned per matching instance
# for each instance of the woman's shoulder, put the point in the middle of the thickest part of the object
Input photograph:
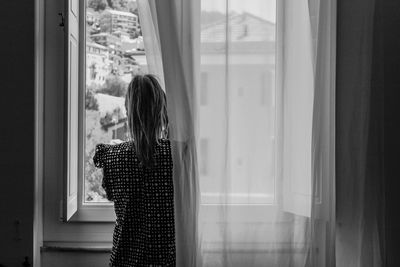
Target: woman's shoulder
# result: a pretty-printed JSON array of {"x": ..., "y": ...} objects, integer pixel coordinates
[
  {"x": 106, "y": 152},
  {"x": 164, "y": 141}
]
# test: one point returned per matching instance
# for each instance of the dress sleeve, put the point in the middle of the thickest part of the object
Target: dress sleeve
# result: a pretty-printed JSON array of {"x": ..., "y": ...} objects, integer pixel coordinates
[
  {"x": 99, "y": 160},
  {"x": 100, "y": 155}
]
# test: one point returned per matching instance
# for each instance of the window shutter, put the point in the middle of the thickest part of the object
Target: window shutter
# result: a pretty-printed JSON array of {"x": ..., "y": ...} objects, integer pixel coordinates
[
  {"x": 297, "y": 115},
  {"x": 72, "y": 108}
]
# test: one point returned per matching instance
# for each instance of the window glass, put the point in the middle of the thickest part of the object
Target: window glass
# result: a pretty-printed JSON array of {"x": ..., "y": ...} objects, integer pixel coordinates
[
  {"x": 237, "y": 104},
  {"x": 203, "y": 88},
  {"x": 114, "y": 54}
]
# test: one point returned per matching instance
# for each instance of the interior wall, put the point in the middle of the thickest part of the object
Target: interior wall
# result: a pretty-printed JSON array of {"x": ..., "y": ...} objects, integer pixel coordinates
[
  {"x": 392, "y": 128},
  {"x": 68, "y": 259},
  {"x": 17, "y": 131}
]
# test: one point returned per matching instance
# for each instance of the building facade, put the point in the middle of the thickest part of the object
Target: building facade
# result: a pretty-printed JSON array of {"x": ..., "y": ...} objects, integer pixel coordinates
[
  {"x": 114, "y": 20},
  {"x": 97, "y": 64},
  {"x": 237, "y": 89}
]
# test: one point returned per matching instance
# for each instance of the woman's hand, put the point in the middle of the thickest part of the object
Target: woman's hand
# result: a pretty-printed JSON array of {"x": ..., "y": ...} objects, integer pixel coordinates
[{"x": 115, "y": 141}]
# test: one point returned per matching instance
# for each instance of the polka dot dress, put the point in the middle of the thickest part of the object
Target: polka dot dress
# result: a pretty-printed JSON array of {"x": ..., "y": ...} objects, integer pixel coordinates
[{"x": 144, "y": 233}]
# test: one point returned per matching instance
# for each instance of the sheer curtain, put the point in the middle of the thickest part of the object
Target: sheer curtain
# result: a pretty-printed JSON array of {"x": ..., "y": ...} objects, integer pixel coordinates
[{"x": 250, "y": 88}]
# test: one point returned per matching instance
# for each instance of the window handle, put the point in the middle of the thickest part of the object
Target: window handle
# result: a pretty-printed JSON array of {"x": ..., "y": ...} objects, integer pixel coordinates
[{"x": 62, "y": 23}]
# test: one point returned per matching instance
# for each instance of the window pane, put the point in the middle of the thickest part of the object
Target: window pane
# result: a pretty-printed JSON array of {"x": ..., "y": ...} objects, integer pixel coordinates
[
  {"x": 114, "y": 54},
  {"x": 237, "y": 101}
]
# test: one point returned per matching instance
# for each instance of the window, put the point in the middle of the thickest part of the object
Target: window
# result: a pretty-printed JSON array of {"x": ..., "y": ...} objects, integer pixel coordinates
[
  {"x": 237, "y": 48},
  {"x": 203, "y": 88},
  {"x": 266, "y": 94},
  {"x": 96, "y": 111},
  {"x": 240, "y": 91},
  {"x": 106, "y": 120},
  {"x": 204, "y": 158},
  {"x": 233, "y": 58}
]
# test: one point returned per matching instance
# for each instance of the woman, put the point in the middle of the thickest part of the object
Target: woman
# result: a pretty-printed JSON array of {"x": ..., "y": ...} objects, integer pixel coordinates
[{"x": 138, "y": 178}]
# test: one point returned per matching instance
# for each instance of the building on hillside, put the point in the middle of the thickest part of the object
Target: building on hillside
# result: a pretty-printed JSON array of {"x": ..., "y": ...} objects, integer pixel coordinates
[
  {"x": 114, "y": 20},
  {"x": 97, "y": 64},
  {"x": 133, "y": 44},
  {"x": 108, "y": 40},
  {"x": 240, "y": 81},
  {"x": 122, "y": 35},
  {"x": 140, "y": 65}
]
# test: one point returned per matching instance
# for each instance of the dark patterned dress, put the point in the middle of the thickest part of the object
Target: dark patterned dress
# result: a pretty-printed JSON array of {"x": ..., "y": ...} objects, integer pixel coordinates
[{"x": 144, "y": 233}]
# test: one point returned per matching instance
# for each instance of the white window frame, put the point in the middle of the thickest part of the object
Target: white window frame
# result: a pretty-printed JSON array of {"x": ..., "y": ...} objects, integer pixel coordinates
[
  {"x": 90, "y": 228},
  {"x": 86, "y": 212},
  {"x": 104, "y": 211}
]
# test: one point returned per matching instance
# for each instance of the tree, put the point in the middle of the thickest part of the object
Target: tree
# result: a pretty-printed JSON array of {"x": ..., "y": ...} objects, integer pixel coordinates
[
  {"x": 111, "y": 117},
  {"x": 132, "y": 7},
  {"x": 123, "y": 5},
  {"x": 91, "y": 102},
  {"x": 97, "y": 5},
  {"x": 105, "y": 24},
  {"x": 93, "y": 175},
  {"x": 114, "y": 4},
  {"x": 114, "y": 86}
]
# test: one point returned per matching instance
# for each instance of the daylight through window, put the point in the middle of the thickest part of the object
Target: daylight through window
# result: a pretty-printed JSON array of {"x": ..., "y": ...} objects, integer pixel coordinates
[
  {"x": 114, "y": 54},
  {"x": 237, "y": 90},
  {"x": 237, "y": 102}
]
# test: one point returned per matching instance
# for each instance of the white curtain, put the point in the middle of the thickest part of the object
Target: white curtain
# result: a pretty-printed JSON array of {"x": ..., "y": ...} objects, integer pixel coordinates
[{"x": 251, "y": 102}]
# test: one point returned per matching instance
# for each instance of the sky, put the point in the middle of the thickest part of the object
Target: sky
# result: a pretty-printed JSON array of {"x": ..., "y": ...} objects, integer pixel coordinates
[{"x": 262, "y": 8}]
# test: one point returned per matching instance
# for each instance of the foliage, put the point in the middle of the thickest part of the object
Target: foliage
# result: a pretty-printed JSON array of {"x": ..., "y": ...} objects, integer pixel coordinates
[
  {"x": 105, "y": 25},
  {"x": 91, "y": 102},
  {"x": 114, "y": 86},
  {"x": 114, "y": 4},
  {"x": 98, "y": 5},
  {"x": 93, "y": 175},
  {"x": 111, "y": 117},
  {"x": 132, "y": 7},
  {"x": 123, "y": 5}
]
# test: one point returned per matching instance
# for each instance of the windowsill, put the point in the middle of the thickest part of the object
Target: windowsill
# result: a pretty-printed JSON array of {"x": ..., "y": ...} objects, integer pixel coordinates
[
  {"x": 76, "y": 247},
  {"x": 106, "y": 214},
  {"x": 94, "y": 214},
  {"x": 212, "y": 248}
]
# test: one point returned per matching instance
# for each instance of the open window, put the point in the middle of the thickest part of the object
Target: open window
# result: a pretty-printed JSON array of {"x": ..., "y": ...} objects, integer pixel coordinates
[
  {"x": 72, "y": 104},
  {"x": 296, "y": 98},
  {"x": 104, "y": 50}
]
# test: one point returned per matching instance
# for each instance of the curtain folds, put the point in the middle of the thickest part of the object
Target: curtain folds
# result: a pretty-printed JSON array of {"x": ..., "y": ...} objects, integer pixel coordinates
[
  {"x": 251, "y": 105},
  {"x": 170, "y": 38},
  {"x": 360, "y": 176}
]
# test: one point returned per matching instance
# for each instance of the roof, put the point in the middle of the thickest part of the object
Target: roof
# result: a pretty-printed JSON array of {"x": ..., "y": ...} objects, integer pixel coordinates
[
  {"x": 122, "y": 13},
  {"x": 93, "y": 44},
  {"x": 102, "y": 34},
  {"x": 244, "y": 27}
]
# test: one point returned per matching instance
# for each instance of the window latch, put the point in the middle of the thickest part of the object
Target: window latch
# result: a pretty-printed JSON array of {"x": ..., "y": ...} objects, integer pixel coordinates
[{"x": 62, "y": 23}]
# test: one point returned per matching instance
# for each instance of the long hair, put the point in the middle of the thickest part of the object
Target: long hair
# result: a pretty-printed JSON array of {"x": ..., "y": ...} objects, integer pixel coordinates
[{"x": 146, "y": 107}]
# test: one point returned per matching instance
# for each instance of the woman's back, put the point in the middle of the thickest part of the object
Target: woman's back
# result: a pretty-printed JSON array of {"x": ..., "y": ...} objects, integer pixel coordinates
[{"x": 143, "y": 198}]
